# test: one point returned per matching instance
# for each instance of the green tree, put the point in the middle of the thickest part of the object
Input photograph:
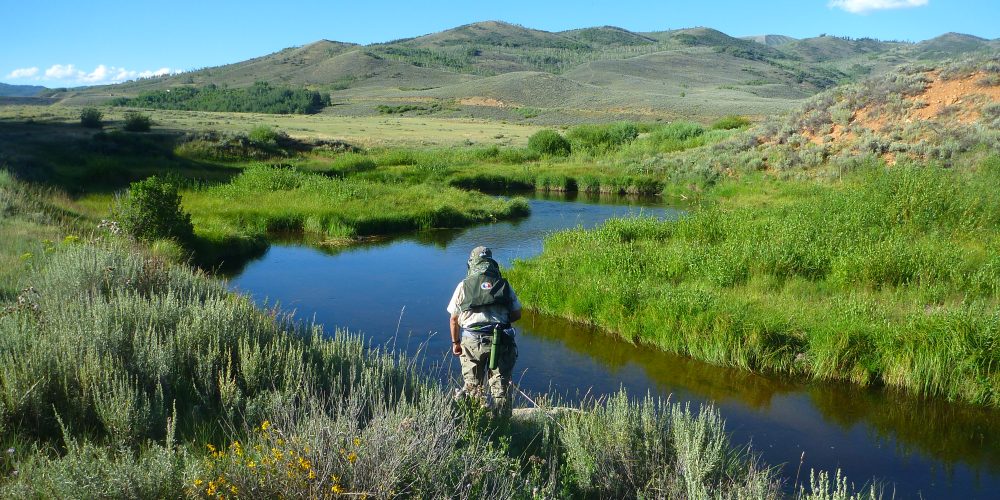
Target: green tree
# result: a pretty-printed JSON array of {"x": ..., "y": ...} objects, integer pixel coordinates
[
  {"x": 91, "y": 118},
  {"x": 137, "y": 122},
  {"x": 151, "y": 210}
]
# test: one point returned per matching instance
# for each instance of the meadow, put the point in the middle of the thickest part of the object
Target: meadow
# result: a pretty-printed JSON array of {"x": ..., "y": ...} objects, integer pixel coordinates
[{"x": 364, "y": 131}]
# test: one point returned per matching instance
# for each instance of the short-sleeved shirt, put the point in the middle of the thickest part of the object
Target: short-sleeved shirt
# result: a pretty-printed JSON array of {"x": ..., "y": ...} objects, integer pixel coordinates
[{"x": 489, "y": 314}]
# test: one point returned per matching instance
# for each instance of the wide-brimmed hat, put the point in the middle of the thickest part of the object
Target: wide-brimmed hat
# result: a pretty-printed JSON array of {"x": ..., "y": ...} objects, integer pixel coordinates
[{"x": 480, "y": 252}]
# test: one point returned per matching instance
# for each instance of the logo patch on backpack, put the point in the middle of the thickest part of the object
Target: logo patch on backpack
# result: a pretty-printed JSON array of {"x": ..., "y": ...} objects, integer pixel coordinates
[{"x": 486, "y": 285}]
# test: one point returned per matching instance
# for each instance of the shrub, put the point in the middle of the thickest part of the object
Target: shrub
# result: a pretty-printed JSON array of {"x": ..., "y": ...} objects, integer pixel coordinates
[
  {"x": 678, "y": 131},
  {"x": 730, "y": 122},
  {"x": 151, "y": 210},
  {"x": 549, "y": 142},
  {"x": 91, "y": 118},
  {"x": 596, "y": 138},
  {"x": 137, "y": 122},
  {"x": 264, "y": 135}
]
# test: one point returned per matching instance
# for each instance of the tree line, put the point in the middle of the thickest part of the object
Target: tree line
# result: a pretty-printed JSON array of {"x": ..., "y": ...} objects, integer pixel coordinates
[{"x": 261, "y": 97}]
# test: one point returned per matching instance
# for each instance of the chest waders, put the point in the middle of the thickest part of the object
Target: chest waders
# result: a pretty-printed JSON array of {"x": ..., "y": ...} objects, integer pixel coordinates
[{"x": 485, "y": 287}]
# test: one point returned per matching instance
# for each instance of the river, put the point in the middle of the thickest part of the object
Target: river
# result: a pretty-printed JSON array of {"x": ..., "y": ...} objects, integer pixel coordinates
[{"x": 394, "y": 291}]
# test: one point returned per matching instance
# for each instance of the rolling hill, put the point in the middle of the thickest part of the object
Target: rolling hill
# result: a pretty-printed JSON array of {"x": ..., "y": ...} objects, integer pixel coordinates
[
  {"x": 582, "y": 73},
  {"x": 20, "y": 90}
]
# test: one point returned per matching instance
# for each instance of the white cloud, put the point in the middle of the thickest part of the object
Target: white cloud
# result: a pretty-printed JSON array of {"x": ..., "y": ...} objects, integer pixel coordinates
[
  {"x": 865, "y": 6},
  {"x": 102, "y": 74},
  {"x": 23, "y": 73},
  {"x": 60, "y": 72}
]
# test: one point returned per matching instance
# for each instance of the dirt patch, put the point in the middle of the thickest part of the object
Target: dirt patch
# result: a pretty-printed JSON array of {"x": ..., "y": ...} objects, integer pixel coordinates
[
  {"x": 488, "y": 102},
  {"x": 961, "y": 99},
  {"x": 958, "y": 101}
]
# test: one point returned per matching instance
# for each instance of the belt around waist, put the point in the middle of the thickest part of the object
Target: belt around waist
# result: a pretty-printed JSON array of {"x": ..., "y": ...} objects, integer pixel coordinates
[{"x": 485, "y": 328}]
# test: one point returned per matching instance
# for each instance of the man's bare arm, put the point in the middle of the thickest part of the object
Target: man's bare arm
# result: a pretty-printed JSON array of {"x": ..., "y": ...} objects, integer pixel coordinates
[{"x": 456, "y": 332}]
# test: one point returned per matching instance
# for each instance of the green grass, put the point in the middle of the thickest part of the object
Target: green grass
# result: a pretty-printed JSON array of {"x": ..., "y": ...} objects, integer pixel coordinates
[
  {"x": 126, "y": 376},
  {"x": 886, "y": 279},
  {"x": 33, "y": 222},
  {"x": 263, "y": 200}
]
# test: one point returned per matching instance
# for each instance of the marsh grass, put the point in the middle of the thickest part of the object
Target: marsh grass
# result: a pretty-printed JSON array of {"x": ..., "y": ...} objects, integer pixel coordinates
[
  {"x": 888, "y": 279},
  {"x": 265, "y": 199}
]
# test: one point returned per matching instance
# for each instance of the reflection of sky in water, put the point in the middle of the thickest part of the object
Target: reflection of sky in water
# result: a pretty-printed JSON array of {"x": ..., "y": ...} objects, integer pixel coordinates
[{"x": 396, "y": 292}]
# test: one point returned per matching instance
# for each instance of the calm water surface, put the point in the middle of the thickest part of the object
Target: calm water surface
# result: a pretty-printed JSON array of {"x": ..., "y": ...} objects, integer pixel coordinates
[{"x": 395, "y": 292}]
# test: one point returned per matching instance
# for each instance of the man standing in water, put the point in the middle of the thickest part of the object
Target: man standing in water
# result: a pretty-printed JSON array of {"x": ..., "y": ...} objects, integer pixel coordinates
[{"x": 482, "y": 309}]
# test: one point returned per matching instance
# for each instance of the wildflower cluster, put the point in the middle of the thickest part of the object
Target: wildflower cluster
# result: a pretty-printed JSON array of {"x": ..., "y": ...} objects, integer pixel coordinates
[
  {"x": 110, "y": 227},
  {"x": 274, "y": 463}
]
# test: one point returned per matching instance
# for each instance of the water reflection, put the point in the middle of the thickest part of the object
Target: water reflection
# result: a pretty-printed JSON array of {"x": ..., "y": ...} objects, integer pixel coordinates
[{"x": 397, "y": 289}]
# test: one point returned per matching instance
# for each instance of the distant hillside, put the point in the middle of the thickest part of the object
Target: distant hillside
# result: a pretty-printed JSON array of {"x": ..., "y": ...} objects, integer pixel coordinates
[
  {"x": 20, "y": 90},
  {"x": 952, "y": 44},
  {"x": 770, "y": 40},
  {"x": 602, "y": 71}
]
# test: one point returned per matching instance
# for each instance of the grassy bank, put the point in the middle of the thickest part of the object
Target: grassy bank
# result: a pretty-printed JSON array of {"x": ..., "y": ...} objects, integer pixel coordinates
[
  {"x": 265, "y": 199},
  {"x": 612, "y": 159},
  {"x": 126, "y": 376},
  {"x": 888, "y": 278},
  {"x": 235, "y": 218}
]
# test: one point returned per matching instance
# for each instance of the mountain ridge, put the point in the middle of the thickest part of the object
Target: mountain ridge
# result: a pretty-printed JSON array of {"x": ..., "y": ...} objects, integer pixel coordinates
[{"x": 697, "y": 70}]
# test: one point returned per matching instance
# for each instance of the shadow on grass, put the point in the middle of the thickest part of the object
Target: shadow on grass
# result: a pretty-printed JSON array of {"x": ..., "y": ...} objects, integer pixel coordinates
[{"x": 77, "y": 159}]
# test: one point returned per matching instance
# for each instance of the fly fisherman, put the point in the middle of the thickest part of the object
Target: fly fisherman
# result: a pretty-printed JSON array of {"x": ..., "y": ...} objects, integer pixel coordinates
[{"x": 482, "y": 309}]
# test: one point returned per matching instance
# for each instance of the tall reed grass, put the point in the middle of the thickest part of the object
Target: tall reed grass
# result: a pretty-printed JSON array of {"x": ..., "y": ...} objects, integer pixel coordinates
[{"x": 889, "y": 279}]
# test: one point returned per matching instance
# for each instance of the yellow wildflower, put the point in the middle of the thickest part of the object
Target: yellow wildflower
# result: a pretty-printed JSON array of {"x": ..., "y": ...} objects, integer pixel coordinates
[
  {"x": 251, "y": 464},
  {"x": 198, "y": 482},
  {"x": 357, "y": 442},
  {"x": 265, "y": 425},
  {"x": 233, "y": 490},
  {"x": 312, "y": 474},
  {"x": 351, "y": 457},
  {"x": 337, "y": 489},
  {"x": 211, "y": 448}
]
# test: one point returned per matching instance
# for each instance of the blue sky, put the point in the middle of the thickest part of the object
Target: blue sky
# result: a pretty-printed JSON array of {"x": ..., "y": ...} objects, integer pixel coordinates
[{"x": 70, "y": 43}]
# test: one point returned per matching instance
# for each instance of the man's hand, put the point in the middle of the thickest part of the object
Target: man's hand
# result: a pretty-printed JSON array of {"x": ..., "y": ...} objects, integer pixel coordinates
[{"x": 456, "y": 349}]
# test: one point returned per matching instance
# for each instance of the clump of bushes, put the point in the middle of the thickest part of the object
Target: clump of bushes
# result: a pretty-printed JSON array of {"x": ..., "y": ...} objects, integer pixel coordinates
[
  {"x": 549, "y": 142},
  {"x": 404, "y": 108},
  {"x": 601, "y": 138},
  {"x": 137, "y": 122},
  {"x": 264, "y": 135},
  {"x": 91, "y": 118},
  {"x": 151, "y": 210},
  {"x": 731, "y": 122},
  {"x": 261, "y": 143}
]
